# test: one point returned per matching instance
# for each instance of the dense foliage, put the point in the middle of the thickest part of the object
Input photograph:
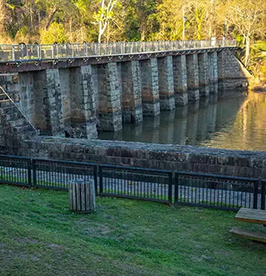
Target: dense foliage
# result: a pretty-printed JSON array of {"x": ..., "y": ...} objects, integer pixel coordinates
[{"x": 49, "y": 21}]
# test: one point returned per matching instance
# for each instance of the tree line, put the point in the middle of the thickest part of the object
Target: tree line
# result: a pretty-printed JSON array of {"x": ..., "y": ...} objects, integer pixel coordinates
[{"x": 61, "y": 21}]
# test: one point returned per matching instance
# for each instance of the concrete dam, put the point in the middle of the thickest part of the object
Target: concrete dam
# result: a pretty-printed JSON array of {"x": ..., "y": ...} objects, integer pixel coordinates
[
  {"x": 76, "y": 96},
  {"x": 55, "y": 98}
]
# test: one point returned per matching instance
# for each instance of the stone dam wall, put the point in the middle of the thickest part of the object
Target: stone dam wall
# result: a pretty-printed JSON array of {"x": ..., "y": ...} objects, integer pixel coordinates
[
  {"x": 77, "y": 101},
  {"x": 156, "y": 156}
]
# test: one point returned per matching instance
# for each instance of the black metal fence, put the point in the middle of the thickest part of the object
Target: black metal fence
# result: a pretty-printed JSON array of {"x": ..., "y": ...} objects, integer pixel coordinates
[
  {"x": 58, "y": 174},
  {"x": 178, "y": 188},
  {"x": 146, "y": 184},
  {"x": 215, "y": 191}
]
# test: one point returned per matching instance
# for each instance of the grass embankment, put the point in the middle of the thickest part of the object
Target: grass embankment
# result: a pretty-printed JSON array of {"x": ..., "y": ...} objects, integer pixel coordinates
[{"x": 39, "y": 236}]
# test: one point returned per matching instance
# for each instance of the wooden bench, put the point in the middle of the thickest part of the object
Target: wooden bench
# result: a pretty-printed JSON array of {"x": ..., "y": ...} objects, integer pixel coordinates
[{"x": 252, "y": 216}]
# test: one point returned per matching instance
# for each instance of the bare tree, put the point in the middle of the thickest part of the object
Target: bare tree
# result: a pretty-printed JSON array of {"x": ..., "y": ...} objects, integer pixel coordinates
[
  {"x": 246, "y": 19},
  {"x": 104, "y": 15}
]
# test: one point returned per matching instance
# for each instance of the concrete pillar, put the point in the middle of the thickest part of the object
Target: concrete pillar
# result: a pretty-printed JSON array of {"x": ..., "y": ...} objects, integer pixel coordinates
[
  {"x": 64, "y": 75},
  {"x": 166, "y": 83},
  {"x": 221, "y": 70},
  {"x": 203, "y": 74},
  {"x": 180, "y": 80},
  {"x": 78, "y": 102},
  {"x": 55, "y": 102},
  {"x": 27, "y": 96},
  {"x": 193, "y": 77},
  {"x": 88, "y": 101},
  {"x": 213, "y": 72},
  {"x": 150, "y": 87},
  {"x": 109, "y": 112},
  {"x": 35, "y": 100},
  {"x": 131, "y": 92}
]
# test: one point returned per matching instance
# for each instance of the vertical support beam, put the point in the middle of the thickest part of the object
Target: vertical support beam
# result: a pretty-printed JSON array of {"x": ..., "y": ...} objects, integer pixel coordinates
[
  {"x": 180, "y": 80},
  {"x": 166, "y": 83},
  {"x": 221, "y": 70},
  {"x": 213, "y": 72},
  {"x": 88, "y": 101},
  {"x": 78, "y": 102},
  {"x": 64, "y": 75},
  {"x": 27, "y": 98},
  {"x": 150, "y": 87},
  {"x": 55, "y": 102},
  {"x": 131, "y": 92},
  {"x": 203, "y": 75},
  {"x": 109, "y": 114},
  {"x": 193, "y": 77},
  {"x": 40, "y": 100}
]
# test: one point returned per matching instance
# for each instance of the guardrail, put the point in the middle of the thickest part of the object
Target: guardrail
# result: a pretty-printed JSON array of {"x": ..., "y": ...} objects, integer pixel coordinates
[
  {"x": 67, "y": 51},
  {"x": 178, "y": 188}
]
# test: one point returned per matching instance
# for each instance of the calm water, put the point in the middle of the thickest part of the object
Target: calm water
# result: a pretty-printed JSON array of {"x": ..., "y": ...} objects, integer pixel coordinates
[{"x": 232, "y": 123}]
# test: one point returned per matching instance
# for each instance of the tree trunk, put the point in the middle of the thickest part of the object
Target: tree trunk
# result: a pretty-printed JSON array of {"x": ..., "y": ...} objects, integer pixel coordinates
[
  {"x": 51, "y": 18},
  {"x": 247, "y": 50}
]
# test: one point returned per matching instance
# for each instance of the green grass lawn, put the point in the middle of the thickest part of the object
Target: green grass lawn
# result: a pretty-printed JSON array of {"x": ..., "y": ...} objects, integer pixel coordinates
[{"x": 40, "y": 236}]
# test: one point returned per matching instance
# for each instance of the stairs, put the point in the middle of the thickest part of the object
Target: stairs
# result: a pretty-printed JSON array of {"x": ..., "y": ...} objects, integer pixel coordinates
[{"x": 14, "y": 126}]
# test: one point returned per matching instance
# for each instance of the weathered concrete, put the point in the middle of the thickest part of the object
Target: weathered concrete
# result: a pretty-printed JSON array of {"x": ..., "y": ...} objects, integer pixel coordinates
[
  {"x": 157, "y": 156},
  {"x": 204, "y": 89},
  {"x": 150, "y": 87},
  {"x": 109, "y": 113},
  {"x": 14, "y": 126},
  {"x": 166, "y": 83},
  {"x": 77, "y": 100},
  {"x": 231, "y": 73},
  {"x": 131, "y": 92},
  {"x": 180, "y": 80},
  {"x": 213, "y": 72},
  {"x": 52, "y": 84},
  {"x": 193, "y": 77}
]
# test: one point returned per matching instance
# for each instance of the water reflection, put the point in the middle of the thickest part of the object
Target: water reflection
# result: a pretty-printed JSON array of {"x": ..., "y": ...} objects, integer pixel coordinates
[
  {"x": 244, "y": 131},
  {"x": 235, "y": 123}
]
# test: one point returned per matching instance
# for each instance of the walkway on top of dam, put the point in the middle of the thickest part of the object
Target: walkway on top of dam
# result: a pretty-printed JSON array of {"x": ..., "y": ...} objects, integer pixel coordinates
[{"x": 94, "y": 53}]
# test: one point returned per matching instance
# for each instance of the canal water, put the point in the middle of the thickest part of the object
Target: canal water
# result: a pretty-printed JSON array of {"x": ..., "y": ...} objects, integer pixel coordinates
[{"x": 230, "y": 122}]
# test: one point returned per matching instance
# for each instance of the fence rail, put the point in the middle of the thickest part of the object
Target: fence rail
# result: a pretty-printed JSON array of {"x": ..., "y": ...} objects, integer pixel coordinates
[
  {"x": 180, "y": 188},
  {"x": 146, "y": 184},
  {"x": 23, "y": 52}
]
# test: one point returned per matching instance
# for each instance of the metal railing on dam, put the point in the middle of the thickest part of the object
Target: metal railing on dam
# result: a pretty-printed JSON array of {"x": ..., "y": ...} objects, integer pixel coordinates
[{"x": 23, "y": 52}]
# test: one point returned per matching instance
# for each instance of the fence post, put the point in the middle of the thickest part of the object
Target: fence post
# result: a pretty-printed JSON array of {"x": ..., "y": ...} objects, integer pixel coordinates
[
  {"x": 13, "y": 53},
  {"x": 262, "y": 194},
  {"x": 176, "y": 184},
  {"x": 52, "y": 50},
  {"x": 170, "y": 187},
  {"x": 255, "y": 196},
  {"x": 34, "y": 173},
  {"x": 29, "y": 172},
  {"x": 101, "y": 179},
  {"x": 95, "y": 172}
]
